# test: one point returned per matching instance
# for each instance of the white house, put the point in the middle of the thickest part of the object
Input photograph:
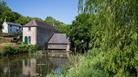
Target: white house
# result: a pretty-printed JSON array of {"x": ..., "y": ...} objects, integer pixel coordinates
[{"x": 9, "y": 27}]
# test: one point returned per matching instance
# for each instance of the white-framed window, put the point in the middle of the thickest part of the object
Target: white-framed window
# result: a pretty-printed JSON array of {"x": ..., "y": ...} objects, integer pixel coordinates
[{"x": 29, "y": 28}]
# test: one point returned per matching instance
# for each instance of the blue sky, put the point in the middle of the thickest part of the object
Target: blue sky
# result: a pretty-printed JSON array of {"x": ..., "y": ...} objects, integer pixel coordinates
[{"x": 63, "y": 10}]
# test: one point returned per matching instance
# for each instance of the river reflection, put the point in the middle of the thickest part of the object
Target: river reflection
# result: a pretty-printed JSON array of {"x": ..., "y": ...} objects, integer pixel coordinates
[{"x": 29, "y": 65}]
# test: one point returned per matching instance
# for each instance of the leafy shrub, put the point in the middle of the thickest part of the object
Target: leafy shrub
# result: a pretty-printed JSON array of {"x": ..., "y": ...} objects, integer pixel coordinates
[
  {"x": 23, "y": 48},
  {"x": 32, "y": 48},
  {"x": 9, "y": 50}
]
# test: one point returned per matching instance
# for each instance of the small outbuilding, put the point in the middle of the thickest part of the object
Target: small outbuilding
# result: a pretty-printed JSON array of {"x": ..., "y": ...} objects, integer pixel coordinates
[{"x": 59, "y": 41}]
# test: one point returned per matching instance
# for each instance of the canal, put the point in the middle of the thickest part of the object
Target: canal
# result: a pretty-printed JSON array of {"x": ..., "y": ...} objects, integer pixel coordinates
[{"x": 30, "y": 65}]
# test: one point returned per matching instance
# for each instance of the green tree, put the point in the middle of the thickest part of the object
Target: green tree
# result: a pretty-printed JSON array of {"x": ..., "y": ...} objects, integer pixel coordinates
[
  {"x": 80, "y": 32},
  {"x": 114, "y": 33},
  {"x": 3, "y": 7},
  {"x": 36, "y": 18},
  {"x": 6, "y": 12},
  {"x": 64, "y": 28},
  {"x": 23, "y": 20},
  {"x": 114, "y": 36}
]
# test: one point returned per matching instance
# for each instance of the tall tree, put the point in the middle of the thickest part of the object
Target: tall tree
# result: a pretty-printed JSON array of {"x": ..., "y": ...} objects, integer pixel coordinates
[
  {"x": 115, "y": 32},
  {"x": 114, "y": 37},
  {"x": 23, "y": 20},
  {"x": 80, "y": 6},
  {"x": 7, "y": 13},
  {"x": 64, "y": 28},
  {"x": 80, "y": 32},
  {"x": 3, "y": 9}
]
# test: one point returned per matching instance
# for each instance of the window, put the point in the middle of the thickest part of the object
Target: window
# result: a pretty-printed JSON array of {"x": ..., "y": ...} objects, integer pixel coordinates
[
  {"x": 17, "y": 30},
  {"x": 10, "y": 30},
  {"x": 29, "y": 39},
  {"x": 10, "y": 25},
  {"x": 25, "y": 40},
  {"x": 29, "y": 28}
]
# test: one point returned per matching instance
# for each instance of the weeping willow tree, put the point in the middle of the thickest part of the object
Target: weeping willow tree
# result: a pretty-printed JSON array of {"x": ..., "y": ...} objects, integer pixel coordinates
[
  {"x": 115, "y": 35},
  {"x": 114, "y": 40}
]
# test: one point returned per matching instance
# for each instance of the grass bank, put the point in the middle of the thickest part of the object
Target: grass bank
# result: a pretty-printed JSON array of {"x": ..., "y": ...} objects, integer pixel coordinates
[
  {"x": 100, "y": 62},
  {"x": 82, "y": 66}
]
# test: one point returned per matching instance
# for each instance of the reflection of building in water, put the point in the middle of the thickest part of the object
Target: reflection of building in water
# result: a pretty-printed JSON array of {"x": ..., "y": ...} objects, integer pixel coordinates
[
  {"x": 29, "y": 67},
  {"x": 58, "y": 61},
  {"x": 6, "y": 70}
]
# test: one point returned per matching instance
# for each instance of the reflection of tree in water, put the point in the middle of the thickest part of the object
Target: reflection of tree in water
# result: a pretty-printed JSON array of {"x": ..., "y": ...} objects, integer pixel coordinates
[
  {"x": 24, "y": 65},
  {"x": 9, "y": 68}
]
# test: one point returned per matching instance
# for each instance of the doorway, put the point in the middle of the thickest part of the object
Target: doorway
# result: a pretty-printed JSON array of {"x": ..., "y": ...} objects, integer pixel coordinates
[{"x": 27, "y": 40}]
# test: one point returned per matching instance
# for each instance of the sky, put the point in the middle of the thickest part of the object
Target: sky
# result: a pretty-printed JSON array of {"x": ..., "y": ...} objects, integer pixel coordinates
[{"x": 62, "y": 10}]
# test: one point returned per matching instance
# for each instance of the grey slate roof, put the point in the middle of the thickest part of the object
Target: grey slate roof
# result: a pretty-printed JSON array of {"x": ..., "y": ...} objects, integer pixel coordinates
[
  {"x": 11, "y": 23},
  {"x": 39, "y": 23},
  {"x": 58, "y": 38}
]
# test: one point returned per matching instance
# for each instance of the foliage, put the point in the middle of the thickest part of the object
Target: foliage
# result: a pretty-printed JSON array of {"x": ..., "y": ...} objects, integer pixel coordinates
[
  {"x": 10, "y": 16},
  {"x": 23, "y": 20},
  {"x": 114, "y": 40},
  {"x": 7, "y": 13},
  {"x": 3, "y": 7},
  {"x": 80, "y": 32},
  {"x": 9, "y": 50},
  {"x": 64, "y": 28},
  {"x": 32, "y": 48}
]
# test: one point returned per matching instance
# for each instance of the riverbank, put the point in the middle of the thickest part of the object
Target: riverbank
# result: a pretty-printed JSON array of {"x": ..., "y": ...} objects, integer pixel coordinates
[
  {"x": 3, "y": 45},
  {"x": 36, "y": 64},
  {"x": 13, "y": 49}
]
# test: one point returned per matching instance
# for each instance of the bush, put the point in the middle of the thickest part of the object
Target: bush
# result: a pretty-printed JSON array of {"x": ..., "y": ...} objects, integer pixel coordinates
[
  {"x": 83, "y": 66},
  {"x": 32, "y": 48},
  {"x": 9, "y": 50}
]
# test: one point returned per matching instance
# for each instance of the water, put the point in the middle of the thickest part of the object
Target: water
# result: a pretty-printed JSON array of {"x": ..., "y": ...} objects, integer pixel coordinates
[{"x": 30, "y": 65}]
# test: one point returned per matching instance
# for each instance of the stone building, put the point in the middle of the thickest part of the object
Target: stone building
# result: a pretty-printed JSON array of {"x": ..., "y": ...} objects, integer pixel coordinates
[
  {"x": 44, "y": 36},
  {"x": 37, "y": 33}
]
